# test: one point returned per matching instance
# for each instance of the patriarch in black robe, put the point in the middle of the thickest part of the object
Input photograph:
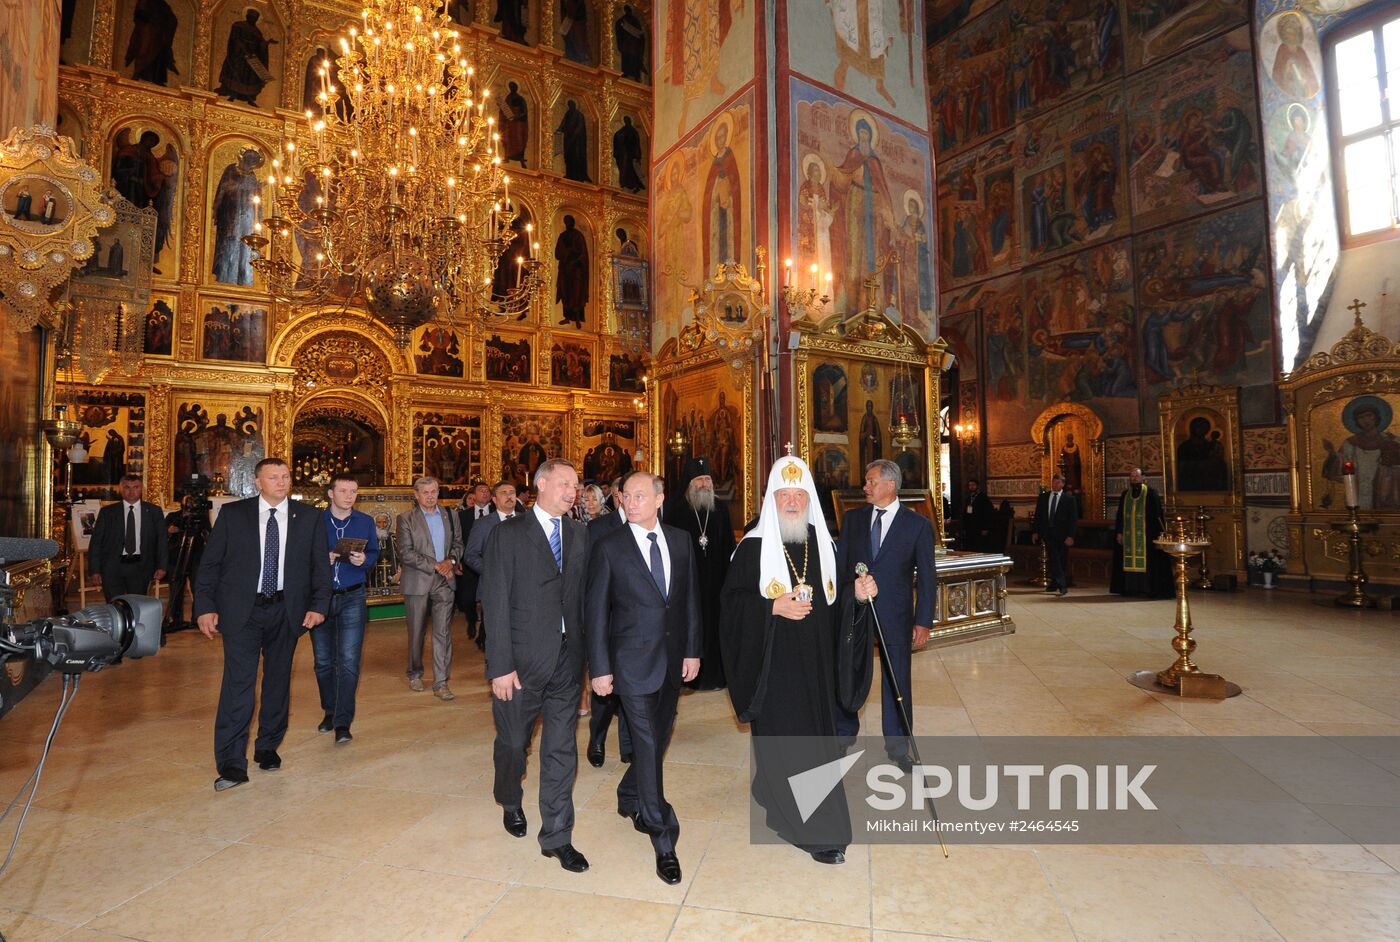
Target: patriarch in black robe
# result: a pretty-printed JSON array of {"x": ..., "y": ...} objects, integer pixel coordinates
[{"x": 796, "y": 645}]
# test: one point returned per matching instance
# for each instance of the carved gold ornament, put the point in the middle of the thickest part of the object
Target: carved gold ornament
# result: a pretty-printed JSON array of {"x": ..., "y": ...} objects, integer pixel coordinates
[{"x": 50, "y": 208}]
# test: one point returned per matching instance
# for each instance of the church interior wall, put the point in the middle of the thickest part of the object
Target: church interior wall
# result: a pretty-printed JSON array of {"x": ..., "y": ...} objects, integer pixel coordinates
[
  {"x": 1102, "y": 226},
  {"x": 218, "y": 342}
]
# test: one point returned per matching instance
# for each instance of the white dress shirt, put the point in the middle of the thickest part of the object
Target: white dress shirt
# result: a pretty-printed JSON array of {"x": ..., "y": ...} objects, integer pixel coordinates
[
  {"x": 546, "y": 522},
  {"x": 884, "y": 522},
  {"x": 135, "y": 511},
  {"x": 283, "y": 525},
  {"x": 642, "y": 536}
]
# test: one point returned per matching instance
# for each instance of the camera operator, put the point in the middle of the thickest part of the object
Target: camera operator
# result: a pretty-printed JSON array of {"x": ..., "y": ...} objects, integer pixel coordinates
[
  {"x": 187, "y": 530},
  {"x": 127, "y": 547}
]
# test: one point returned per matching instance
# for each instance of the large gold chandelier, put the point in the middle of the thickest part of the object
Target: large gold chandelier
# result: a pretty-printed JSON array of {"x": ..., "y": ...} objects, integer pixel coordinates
[{"x": 396, "y": 189}]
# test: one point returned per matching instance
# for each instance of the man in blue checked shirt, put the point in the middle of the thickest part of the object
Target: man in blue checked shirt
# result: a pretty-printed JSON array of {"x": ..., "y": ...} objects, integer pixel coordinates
[{"x": 339, "y": 642}]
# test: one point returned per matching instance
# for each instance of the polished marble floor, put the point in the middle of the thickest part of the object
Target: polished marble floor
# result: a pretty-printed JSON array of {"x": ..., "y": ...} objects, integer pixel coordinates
[{"x": 395, "y": 835}]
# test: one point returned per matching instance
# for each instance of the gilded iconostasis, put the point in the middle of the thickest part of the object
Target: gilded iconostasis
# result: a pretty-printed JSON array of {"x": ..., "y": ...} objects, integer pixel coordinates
[{"x": 185, "y": 103}]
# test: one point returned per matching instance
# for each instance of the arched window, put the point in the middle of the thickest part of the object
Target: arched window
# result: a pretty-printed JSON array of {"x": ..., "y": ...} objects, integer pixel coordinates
[{"x": 1363, "y": 62}]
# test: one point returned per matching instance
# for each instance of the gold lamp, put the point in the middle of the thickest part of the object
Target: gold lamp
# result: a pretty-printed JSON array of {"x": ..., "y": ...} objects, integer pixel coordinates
[{"x": 397, "y": 188}]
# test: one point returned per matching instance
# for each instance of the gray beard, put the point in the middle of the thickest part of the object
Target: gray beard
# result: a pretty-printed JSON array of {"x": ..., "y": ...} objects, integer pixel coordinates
[
  {"x": 701, "y": 498},
  {"x": 792, "y": 531}
]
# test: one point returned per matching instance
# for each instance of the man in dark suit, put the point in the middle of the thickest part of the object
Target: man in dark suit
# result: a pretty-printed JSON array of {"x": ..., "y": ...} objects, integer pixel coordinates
[
  {"x": 476, "y": 505},
  {"x": 260, "y": 601},
  {"x": 602, "y": 709},
  {"x": 977, "y": 521},
  {"x": 897, "y": 544},
  {"x": 644, "y": 639},
  {"x": 1057, "y": 523},
  {"x": 532, "y": 588},
  {"x": 502, "y": 506},
  {"x": 128, "y": 546}
]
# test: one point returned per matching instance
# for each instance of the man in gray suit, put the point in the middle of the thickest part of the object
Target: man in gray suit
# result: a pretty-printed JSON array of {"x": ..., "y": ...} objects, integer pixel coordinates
[
  {"x": 429, "y": 542},
  {"x": 532, "y": 591}
]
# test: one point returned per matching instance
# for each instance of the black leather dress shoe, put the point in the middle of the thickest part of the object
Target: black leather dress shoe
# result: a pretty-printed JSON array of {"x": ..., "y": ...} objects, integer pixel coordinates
[
  {"x": 829, "y": 856},
  {"x": 668, "y": 868},
  {"x": 327, "y": 724},
  {"x": 1064, "y": 591},
  {"x": 267, "y": 760},
  {"x": 342, "y": 735},
  {"x": 229, "y": 776},
  {"x": 597, "y": 752},
  {"x": 514, "y": 822},
  {"x": 905, "y": 763},
  {"x": 570, "y": 859},
  {"x": 626, "y": 758}
]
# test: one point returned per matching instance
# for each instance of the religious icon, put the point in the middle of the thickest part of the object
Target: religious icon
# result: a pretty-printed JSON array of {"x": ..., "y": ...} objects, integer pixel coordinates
[
  {"x": 871, "y": 438},
  {"x": 514, "y": 117},
  {"x": 573, "y": 26},
  {"x": 571, "y": 364},
  {"x": 439, "y": 352},
  {"x": 234, "y": 216},
  {"x": 1371, "y": 449},
  {"x": 507, "y": 360},
  {"x": 151, "y": 50},
  {"x": 722, "y": 200},
  {"x": 1200, "y": 457},
  {"x": 695, "y": 31},
  {"x": 146, "y": 179},
  {"x": 631, "y": 44},
  {"x": 245, "y": 72},
  {"x": 572, "y": 284},
  {"x": 510, "y": 14},
  {"x": 829, "y": 388},
  {"x": 160, "y": 328},
  {"x": 574, "y": 127},
  {"x": 627, "y": 154},
  {"x": 235, "y": 332}
]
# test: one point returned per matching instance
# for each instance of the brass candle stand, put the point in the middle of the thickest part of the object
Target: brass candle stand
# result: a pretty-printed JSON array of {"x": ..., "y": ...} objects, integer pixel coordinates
[
  {"x": 1203, "y": 579},
  {"x": 1354, "y": 597},
  {"x": 1183, "y": 677},
  {"x": 1042, "y": 580}
]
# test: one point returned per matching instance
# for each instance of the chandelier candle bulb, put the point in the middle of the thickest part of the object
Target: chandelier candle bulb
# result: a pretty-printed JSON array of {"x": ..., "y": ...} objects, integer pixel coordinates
[{"x": 1349, "y": 484}]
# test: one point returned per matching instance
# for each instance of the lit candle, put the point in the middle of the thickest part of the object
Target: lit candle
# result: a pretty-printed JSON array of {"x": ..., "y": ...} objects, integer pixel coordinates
[
  {"x": 828, "y": 283},
  {"x": 813, "y": 270},
  {"x": 1349, "y": 484},
  {"x": 787, "y": 273}
]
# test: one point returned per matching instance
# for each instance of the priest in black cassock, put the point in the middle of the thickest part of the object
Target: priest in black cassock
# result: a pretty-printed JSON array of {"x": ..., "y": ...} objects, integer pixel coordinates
[
  {"x": 796, "y": 644},
  {"x": 697, "y": 511},
  {"x": 1139, "y": 567}
]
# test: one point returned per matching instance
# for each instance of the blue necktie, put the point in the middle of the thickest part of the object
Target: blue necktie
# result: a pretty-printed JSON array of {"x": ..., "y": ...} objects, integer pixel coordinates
[
  {"x": 270, "y": 547},
  {"x": 556, "y": 546},
  {"x": 875, "y": 538},
  {"x": 658, "y": 566}
]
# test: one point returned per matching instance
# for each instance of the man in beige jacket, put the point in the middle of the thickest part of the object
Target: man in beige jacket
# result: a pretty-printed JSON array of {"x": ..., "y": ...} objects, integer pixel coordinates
[{"x": 429, "y": 542}]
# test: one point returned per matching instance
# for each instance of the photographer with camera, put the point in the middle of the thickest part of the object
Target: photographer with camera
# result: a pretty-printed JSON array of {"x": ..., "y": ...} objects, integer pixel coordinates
[
  {"x": 260, "y": 604},
  {"x": 128, "y": 548},
  {"x": 187, "y": 530}
]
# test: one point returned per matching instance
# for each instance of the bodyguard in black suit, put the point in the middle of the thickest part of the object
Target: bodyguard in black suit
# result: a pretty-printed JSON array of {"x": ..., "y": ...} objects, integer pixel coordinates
[
  {"x": 532, "y": 591},
  {"x": 128, "y": 546},
  {"x": 264, "y": 578},
  {"x": 976, "y": 522},
  {"x": 644, "y": 640},
  {"x": 602, "y": 709},
  {"x": 1057, "y": 523},
  {"x": 477, "y": 505},
  {"x": 899, "y": 553}
]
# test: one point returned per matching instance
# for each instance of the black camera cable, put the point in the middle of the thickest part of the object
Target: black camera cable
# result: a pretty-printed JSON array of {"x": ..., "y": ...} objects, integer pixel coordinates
[{"x": 32, "y": 783}]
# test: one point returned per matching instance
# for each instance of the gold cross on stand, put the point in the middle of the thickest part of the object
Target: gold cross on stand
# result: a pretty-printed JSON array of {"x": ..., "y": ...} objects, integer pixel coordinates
[
  {"x": 1355, "y": 307},
  {"x": 788, "y": 446}
]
